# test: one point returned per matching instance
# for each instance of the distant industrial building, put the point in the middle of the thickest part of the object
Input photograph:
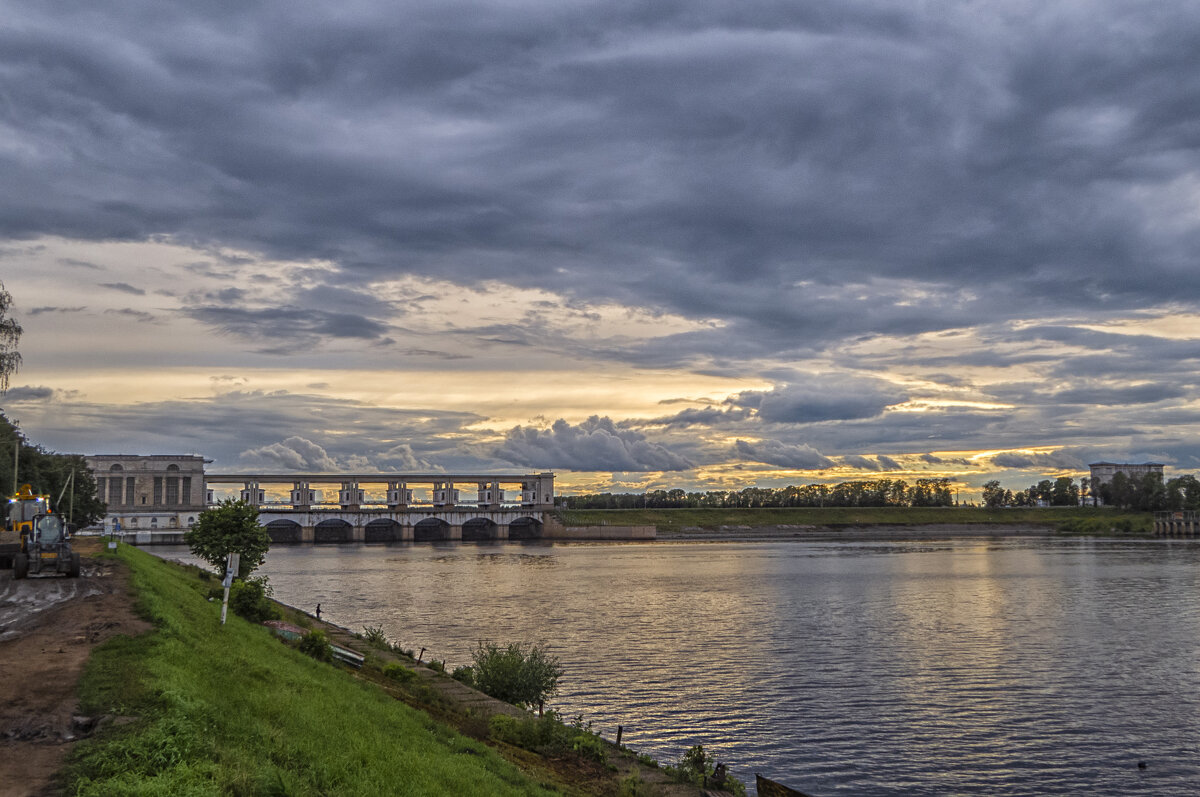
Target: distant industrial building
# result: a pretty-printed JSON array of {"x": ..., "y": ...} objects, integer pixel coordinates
[{"x": 1103, "y": 473}]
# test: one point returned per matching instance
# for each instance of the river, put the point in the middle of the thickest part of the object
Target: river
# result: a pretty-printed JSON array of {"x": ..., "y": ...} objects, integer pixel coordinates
[{"x": 984, "y": 665}]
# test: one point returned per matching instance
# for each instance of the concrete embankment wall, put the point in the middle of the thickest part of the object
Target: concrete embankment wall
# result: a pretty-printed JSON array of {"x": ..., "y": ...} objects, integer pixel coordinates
[
  {"x": 600, "y": 532},
  {"x": 551, "y": 531}
]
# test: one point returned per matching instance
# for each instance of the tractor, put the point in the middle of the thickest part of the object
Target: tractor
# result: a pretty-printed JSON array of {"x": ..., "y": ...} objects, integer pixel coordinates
[{"x": 44, "y": 542}]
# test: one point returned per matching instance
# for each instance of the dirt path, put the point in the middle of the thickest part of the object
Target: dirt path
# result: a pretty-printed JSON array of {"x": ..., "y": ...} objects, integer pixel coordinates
[{"x": 48, "y": 628}]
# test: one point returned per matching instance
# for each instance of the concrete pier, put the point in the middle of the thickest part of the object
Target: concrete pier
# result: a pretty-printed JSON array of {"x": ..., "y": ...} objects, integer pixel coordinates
[{"x": 1176, "y": 524}]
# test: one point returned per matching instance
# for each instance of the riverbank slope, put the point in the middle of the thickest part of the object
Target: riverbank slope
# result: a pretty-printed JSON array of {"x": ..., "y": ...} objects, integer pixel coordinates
[{"x": 192, "y": 707}]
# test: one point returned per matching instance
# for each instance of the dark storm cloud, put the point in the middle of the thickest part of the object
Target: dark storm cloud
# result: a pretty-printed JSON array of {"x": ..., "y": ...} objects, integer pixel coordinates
[
  {"x": 783, "y": 455},
  {"x": 140, "y": 316},
  {"x": 699, "y": 416},
  {"x": 743, "y": 162},
  {"x": 816, "y": 179},
  {"x": 880, "y": 463},
  {"x": 74, "y": 263},
  {"x": 595, "y": 444},
  {"x": 123, "y": 288},
  {"x": 27, "y": 393},
  {"x": 1058, "y": 460},
  {"x": 290, "y": 327},
  {"x": 71, "y": 310},
  {"x": 237, "y": 428},
  {"x": 821, "y": 399}
]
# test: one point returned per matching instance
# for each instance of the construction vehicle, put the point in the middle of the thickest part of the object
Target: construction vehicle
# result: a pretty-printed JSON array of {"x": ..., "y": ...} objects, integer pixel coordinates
[
  {"x": 23, "y": 507},
  {"x": 35, "y": 539}
]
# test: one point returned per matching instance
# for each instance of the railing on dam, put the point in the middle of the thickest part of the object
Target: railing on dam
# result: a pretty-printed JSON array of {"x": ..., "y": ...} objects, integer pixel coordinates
[
  {"x": 1177, "y": 524},
  {"x": 392, "y": 490}
]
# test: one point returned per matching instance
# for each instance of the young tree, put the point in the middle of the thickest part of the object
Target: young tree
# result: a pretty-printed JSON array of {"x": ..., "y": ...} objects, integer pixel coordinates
[
  {"x": 230, "y": 527},
  {"x": 1064, "y": 492},
  {"x": 10, "y": 334},
  {"x": 993, "y": 494},
  {"x": 516, "y": 675}
]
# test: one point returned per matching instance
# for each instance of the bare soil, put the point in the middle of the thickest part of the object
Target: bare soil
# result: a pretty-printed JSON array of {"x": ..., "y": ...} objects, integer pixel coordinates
[{"x": 49, "y": 626}]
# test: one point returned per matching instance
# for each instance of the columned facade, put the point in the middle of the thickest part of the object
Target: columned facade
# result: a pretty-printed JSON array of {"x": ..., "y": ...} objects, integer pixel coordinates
[{"x": 150, "y": 492}]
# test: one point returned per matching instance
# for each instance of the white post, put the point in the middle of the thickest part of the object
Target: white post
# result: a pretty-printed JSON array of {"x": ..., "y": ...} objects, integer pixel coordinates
[{"x": 231, "y": 568}]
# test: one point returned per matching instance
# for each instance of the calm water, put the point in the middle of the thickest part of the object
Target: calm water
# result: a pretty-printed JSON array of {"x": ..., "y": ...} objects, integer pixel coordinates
[{"x": 975, "y": 666}]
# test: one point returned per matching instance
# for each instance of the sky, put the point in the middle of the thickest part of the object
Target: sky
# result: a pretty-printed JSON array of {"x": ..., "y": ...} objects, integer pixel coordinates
[{"x": 643, "y": 245}]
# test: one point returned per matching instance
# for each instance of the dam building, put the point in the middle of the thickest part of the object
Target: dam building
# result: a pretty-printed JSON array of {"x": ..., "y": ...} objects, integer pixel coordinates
[
  {"x": 160, "y": 494},
  {"x": 150, "y": 492},
  {"x": 380, "y": 507}
]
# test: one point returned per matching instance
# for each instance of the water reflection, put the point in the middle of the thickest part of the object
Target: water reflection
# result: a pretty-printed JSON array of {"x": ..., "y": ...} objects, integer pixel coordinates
[{"x": 1015, "y": 666}]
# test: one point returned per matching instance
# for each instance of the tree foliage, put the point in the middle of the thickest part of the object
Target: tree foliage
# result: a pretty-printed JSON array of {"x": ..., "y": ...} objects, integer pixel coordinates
[
  {"x": 523, "y": 676},
  {"x": 230, "y": 527},
  {"x": 10, "y": 335},
  {"x": 249, "y": 599},
  {"x": 874, "y": 492},
  {"x": 49, "y": 473}
]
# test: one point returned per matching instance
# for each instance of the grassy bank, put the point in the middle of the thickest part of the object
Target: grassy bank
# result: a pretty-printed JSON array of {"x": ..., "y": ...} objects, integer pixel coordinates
[
  {"x": 205, "y": 710},
  {"x": 668, "y": 521}
]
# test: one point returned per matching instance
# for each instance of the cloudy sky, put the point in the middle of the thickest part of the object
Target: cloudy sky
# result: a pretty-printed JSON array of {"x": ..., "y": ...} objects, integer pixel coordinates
[{"x": 642, "y": 244}]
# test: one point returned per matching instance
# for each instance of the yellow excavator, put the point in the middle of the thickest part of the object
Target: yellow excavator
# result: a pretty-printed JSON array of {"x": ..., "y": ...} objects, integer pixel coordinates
[{"x": 35, "y": 539}]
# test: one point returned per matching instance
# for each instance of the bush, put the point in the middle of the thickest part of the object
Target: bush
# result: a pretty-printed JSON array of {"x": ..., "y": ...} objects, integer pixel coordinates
[
  {"x": 436, "y": 666},
  {"x": 516, "y": 675},
  {"x": 695, "y": 766},
  {"x": 548, "y": 735},
  {"x": 465, "y": 674},
  {"x": 531, "y": 733},
  {"x": 374, "y": 637},
  {"x": 632, "y": 785},
  {"x": 398, "y": 672},
  {"x": 249, "y": 599},
  {"x": 316, "y": 644}
]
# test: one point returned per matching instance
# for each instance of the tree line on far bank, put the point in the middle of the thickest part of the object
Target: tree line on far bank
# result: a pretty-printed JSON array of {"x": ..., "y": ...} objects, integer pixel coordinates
[
  {"x": 1147, "y": 493},
  {"x": 876, "y": 492}
]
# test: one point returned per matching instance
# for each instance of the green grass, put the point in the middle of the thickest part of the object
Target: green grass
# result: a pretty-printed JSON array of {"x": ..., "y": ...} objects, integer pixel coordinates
[
  {"x": 232, "y": 711},
  {"x": 670, "y": 521}
]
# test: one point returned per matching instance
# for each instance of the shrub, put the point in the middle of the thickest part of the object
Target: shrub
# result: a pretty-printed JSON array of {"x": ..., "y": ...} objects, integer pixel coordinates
[
  {"x": 695, "y": 766},
  {"x": 436, "y": 666},
  {"x": 532, "y": 733},
  {"x": 316, "y": 644},
  {"x": 465, "y": 673},
  {"x": 632, "y": 785},
  {"x": 374, "y": 637},
  {"x": 547, "y": 734},
  {"x": 647, "y": 760},
  {"x": 248, "y": 599},
  {"x": 591, "y": 746},
  {"x": 398, "y": 672},
  {"x": 514, "y": 674}
]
